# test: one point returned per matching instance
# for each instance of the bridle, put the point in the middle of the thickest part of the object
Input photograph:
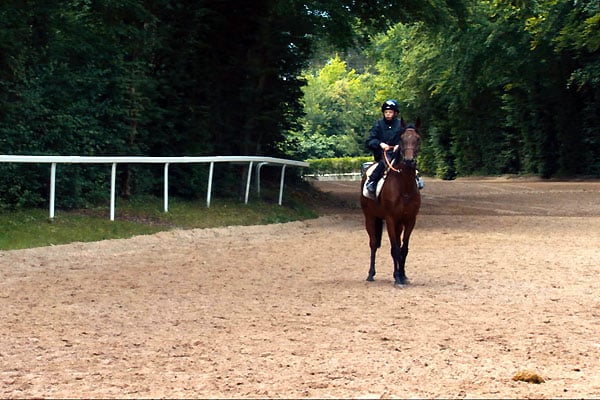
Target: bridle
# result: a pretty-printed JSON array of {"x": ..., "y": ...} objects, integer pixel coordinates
[{"x": 401, "y": 150}]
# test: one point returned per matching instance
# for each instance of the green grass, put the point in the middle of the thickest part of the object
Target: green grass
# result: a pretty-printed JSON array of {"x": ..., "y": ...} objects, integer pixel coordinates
[{"x": 139, "y": 216}]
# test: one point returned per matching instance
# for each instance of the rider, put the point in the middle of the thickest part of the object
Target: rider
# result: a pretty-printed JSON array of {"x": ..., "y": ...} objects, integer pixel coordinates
[{"x": 383, "y": 136}]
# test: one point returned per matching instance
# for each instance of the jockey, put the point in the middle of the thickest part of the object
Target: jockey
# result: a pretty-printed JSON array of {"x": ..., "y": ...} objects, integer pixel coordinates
[{"x": 384, "y": 136}]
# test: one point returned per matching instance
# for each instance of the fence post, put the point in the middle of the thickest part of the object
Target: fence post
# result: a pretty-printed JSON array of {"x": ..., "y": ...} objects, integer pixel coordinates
[
  {"x": 258, "y": 167},
  {"x": 166, "y": 188},
  {"x": 281, "y": 184},
  {"x": 210, "y": 177},
  {"x": 113, "y": 189},
  {"x": 248, "y": 181},
  {"x": 52, "y": 188}
]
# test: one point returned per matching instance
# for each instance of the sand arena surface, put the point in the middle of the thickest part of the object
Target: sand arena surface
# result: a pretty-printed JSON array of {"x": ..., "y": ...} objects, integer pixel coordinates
[{"x": 504, "y": 278}]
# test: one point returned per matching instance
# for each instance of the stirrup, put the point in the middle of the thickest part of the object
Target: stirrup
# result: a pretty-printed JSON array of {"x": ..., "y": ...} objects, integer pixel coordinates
[
  {"x": 371, "y": 186},
  {"x": 420, "y": 183}
]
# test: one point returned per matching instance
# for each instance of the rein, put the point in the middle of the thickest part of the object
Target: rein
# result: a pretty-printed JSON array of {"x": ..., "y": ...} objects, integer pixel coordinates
[{"x": 389, "y": 164}]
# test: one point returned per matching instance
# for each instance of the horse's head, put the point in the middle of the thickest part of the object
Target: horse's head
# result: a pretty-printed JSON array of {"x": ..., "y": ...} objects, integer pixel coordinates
[{"x": 410, "y": 143}]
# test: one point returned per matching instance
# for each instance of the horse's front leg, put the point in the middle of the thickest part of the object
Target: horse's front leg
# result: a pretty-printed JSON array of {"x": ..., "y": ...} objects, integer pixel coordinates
[
  {"x": 398, "y": 252},
  {"x": 400, "y": 276},
  {"x": 399, "y": 263},
  {"x": 399, "y": 260}
]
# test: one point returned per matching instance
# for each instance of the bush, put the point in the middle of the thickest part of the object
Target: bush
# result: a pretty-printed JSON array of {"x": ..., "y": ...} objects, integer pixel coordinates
[{"x": 336, "y": 165}]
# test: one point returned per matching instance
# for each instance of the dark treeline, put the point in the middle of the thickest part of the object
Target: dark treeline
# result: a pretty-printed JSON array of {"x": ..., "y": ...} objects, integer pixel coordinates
[
  {"x": 514, "y": 90},
  {"x": 159, "y": 78},
  {"x": 223, "y": 77},
  {"x": 133, "y": 77}
]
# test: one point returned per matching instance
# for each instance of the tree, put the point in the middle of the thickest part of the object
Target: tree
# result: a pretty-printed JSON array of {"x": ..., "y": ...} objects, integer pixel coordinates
[
  {"x": 499, "y": 94},
  {"x": 338, "y": 107},
  {"x": 74, "y": 85},
  {"x": 568, "y": 35}
]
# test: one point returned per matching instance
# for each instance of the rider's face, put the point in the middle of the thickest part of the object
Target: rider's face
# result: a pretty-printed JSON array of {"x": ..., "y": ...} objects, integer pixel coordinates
[{"x": 388, "y": 114}]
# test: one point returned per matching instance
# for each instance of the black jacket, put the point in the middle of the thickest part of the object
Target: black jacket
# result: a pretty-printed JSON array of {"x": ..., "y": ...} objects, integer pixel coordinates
[{"x": 386, "y": 132}]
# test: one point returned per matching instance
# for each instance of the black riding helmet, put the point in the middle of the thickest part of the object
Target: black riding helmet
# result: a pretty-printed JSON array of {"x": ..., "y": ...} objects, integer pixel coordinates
[{"x": 390, "y": 105}]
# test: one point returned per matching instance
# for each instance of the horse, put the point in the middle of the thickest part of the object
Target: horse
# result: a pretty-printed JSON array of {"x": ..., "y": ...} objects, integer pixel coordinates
[{"x": 398, "y": 203}]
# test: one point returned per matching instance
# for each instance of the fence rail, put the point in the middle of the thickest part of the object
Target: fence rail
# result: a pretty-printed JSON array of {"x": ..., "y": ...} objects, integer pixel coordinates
[{"x": 256, "y": 161}]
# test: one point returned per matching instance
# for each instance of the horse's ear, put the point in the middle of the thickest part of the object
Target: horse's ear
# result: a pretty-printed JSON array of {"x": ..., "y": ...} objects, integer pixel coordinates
[
  {"x": 418, "y": 123},
  {"x": 402, "y": 122}
]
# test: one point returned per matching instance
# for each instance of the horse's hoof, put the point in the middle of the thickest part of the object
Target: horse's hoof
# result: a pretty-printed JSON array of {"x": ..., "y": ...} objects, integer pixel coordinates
[
  {"x": 402, "y": 282},
  {"x": 370, "y": 279}
]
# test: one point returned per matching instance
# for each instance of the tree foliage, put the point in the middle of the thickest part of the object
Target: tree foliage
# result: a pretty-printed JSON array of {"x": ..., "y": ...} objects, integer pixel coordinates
[
  {"x": 502, "y": 85},
  {"x": 336, "y": 103},
  {"x": 165, "y": 77},
  {"x": 133, "y": 77},
  {"x": 512, "y": 88}
]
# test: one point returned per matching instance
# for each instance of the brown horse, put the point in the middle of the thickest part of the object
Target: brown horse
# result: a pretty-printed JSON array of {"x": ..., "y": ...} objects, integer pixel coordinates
[{"x": 398, "y": 204}]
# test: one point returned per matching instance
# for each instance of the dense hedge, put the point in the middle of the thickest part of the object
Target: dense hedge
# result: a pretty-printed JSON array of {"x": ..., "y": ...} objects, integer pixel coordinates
[{"x": 336, "y": 165}]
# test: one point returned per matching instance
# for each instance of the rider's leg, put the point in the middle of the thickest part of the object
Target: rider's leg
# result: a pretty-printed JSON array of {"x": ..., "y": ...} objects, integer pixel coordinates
[{"x": 371, "y": 184}]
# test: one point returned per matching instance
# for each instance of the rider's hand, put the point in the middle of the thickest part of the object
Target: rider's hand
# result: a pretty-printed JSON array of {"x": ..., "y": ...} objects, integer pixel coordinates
[{"x": 384, "y": 146}]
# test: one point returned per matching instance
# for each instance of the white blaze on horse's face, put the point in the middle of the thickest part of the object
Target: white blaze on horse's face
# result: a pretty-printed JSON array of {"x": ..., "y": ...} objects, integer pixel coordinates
[{"x": 411, "y": 142}]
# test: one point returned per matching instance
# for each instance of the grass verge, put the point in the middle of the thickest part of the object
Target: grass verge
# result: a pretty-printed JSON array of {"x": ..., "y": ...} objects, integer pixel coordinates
[{"x": 143, "y": 215}]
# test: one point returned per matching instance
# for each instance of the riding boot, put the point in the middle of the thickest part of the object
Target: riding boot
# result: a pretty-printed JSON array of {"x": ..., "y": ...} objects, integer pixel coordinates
[{"x": 420, "y": 183}]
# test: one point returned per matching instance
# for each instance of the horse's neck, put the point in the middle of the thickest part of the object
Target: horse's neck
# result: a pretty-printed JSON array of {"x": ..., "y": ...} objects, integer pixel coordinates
[
  {"x": 403, "y": 171},
  {"x": 406, "y": 178}
]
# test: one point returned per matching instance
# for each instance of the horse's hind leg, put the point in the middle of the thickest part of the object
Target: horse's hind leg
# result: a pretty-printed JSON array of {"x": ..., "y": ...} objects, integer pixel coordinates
[
  {"x": 399, "y": 251},
  {"x": 372, "y": 272},
  {"x": 394, "y": 231},
  {"x": 375, "y": 229}
]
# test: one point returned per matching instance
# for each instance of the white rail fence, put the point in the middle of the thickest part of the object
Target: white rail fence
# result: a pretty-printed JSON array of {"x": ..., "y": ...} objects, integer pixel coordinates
[{"x": 257, "y": 162}]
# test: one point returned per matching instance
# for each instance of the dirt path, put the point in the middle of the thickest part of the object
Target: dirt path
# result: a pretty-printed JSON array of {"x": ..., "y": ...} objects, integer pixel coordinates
[{"x": 504, "y": 278}]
